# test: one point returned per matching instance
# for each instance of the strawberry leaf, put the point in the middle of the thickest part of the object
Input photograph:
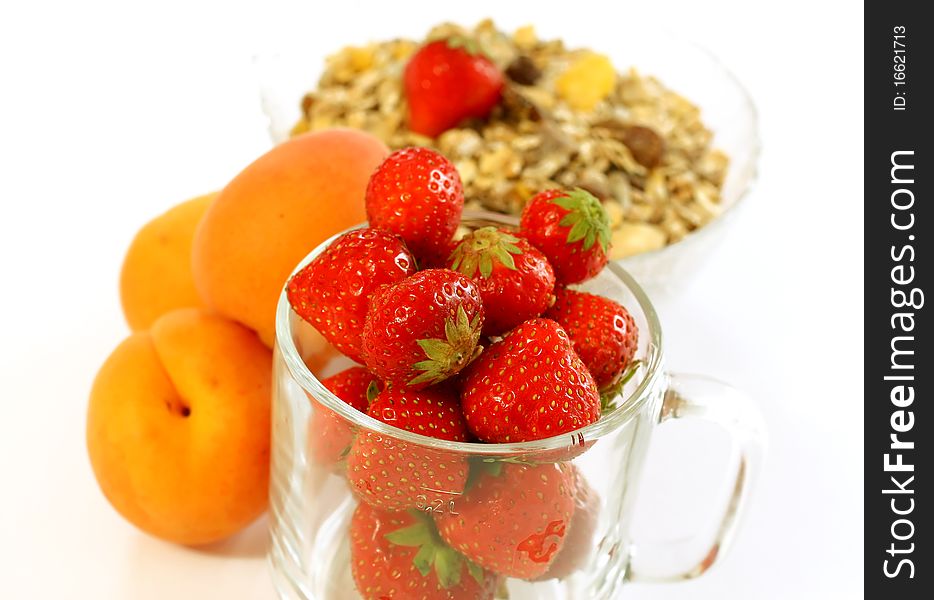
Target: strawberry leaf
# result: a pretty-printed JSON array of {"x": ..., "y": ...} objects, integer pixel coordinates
[
  {"x": 492, "y": 467},
  {"x": 504, "y": 257},
  {"x": 448, "y": 356},
  {"x": 475, "y": 571},
  {"x": 578, "y": 232},
  {"x": 425, "y": 558},
  {"x": 372, "y": 391},
  {"x": 609, "y": 396},
  {"x": 448, "y": 565},
  {"x": 486, "y": 265},
  {"x": 482, "y": 249},
  {"x": 469, "y": 45},
  {"x": 586, "y": 218},
  {"x": 413, "y": 535},
  {"x": 437, "y": 350}
]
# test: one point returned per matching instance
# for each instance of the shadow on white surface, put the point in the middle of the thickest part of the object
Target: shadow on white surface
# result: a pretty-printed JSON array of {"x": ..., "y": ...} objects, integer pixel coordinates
[{"x": 252, "y": 542}]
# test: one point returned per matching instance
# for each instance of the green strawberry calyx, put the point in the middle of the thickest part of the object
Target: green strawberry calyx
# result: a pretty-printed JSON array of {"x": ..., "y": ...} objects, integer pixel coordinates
[
  {"x": 469, "y": 45},
  {"x": 586, "y": 217},
  {"x": 480, "y": 249},
  {"x": 433, "y": 553},
  {"x": 448, "y": 356},
  {"x": 372, "y": 391},
  {"x": 611, "y": 394},
  {"x": 494, "y": 466}
]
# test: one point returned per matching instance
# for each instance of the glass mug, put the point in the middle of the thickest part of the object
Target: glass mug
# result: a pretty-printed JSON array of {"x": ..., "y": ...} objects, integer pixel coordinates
[{"x": 582, "y": 550}]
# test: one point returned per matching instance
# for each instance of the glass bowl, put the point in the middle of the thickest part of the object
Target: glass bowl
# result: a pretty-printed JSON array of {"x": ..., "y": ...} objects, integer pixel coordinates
[
  {"x": 727, "y": 109},
  {"x": 557, "y": 510}
]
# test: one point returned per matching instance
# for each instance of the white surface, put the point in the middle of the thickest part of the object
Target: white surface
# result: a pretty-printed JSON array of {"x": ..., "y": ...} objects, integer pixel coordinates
[{"x": 112, "y": 113}]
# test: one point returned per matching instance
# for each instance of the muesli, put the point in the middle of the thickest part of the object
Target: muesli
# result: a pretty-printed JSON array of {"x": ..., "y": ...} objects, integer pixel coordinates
[{"x": 567, "y": 118}]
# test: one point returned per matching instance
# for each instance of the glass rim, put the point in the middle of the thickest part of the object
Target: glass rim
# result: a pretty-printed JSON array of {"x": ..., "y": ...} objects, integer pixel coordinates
[{"x": 612, "y": 421}]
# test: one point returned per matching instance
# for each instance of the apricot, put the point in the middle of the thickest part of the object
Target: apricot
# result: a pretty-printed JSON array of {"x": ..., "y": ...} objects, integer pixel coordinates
[
  {"x": 274, "y": 213},
  {"x": 156, "y": 274},
  {"x": 178, "y": 427}
]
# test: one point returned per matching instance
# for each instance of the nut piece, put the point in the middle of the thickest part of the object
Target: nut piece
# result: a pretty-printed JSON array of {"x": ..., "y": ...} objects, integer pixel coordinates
[
  {"x": 636, "y": 238},
  {"x": 525, "y": 37},
  {"x": 523, "y": 70}
]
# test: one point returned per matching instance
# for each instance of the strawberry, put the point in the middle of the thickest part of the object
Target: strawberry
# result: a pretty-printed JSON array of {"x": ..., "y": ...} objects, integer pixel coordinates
[
  {"x": 332, "y": 291},
  {"x": 447, "y": 81},
  {"x": 578, "y": 542},
  {"x": 401, "y": 556},
  {"x": 394, "y": 475},
  {"x": 514, "y": 278},
  {"x": 604, "y": 334},
  {"x": 330, "y": 435},
  {"x": 571, "y": 229},
  {"x": 417, "y": 194},
  {"x": 513, "y": 519},
  {"x": 528, "y": 386},
  {"x": 433, "y": 412},
  {"x": 423, "y": 329}
]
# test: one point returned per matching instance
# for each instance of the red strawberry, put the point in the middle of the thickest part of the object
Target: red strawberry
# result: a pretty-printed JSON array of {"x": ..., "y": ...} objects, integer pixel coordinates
[
  {"x": 578, "y": 543},
  {"x": 433, "y": 412},
  {"x": 528, "y": 386},
  {"x": 604, "y": 334},
  {"x": 514, "y": 521},
  {"x": 332, "y": 292},
  {"x": 571, "y": 229},
  {"x": 448, "y": 81},
  {"x": 515, "y": 279},
  {"x": 330, "y": 435},
  {"x": 399, "y": 555},
  {"x": 424, "y": 329},
  {"x": 395, "y": 475},
  {"x": 417, "y": 194}
]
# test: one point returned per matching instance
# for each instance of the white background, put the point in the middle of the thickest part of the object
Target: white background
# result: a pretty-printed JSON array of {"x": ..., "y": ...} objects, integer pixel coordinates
[{"x": 110, "y": 112}]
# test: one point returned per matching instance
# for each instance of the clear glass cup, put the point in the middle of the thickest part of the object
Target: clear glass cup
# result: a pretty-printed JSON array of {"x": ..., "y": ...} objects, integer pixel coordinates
[
  {"x": 313, "y": 495},
  {"x": 691, "y": 70}
]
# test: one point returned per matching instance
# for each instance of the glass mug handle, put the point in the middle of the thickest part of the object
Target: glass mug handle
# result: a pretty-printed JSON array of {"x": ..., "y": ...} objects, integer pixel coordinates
[{"x": 699, "y": 397}]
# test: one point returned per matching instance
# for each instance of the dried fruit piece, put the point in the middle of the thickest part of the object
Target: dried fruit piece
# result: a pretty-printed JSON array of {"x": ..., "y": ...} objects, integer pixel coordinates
[
  {"x": 523, "y": 70},
  {"x": 647, "y": 147},
  {"x": 587, "y": 81}
]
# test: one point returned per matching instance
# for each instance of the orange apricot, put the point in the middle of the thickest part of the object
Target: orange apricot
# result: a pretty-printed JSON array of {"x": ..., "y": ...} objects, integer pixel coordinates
[
  {"x": 156, "y": 274},
  {"x": 178, "y": 427},
  {"x": 274, "y": 213}
]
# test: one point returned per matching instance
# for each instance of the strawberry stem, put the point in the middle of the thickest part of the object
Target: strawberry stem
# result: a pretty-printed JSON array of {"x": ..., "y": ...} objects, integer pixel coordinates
[{"x": 609, "y": 396}]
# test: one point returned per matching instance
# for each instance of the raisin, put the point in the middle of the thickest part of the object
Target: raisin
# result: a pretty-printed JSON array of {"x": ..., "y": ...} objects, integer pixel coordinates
[
  {"x": 523, "y": 71},
  {"x": 646, "y": 146}
]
